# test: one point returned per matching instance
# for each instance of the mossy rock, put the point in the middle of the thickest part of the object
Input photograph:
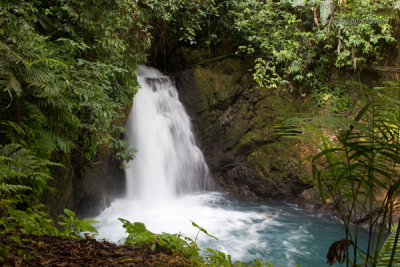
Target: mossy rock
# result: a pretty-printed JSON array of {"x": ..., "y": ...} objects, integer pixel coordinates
[
  {"x": 230, "y": 66},
  {"x": 239, "y": 126},
  {"x": 193, "y": 56},
  {"x": 217, "y": 88},
  {"x": 275, "y": 161},
  {"x": 253, "y": 139}
]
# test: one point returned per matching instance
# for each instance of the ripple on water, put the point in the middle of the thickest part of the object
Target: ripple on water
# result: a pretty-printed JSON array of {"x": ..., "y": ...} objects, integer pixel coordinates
[{"x": 275, "y": 232}]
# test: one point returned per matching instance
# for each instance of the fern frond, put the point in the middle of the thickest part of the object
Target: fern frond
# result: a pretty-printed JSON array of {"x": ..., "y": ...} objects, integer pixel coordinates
[
  {"x": 37, "y": 75},
  {"x": 3, "y": 70},
  {"x": 8, "y": 150},
  {"x": 11, "y": 85},
  {"x": 387, "y": 250},
  {"x": 13, "y": 189},
  {"x": 10, "y": 55},
  {"x": 40, "y": 175},
  {"x": 48, "y": 163},
  {"x": 48, "y": 140},
  {"x": 49, "y": 61},
  {"x": 63, "y": 144},
  {"x": 34, "y": 113},
  {"x": 21, "y": 169},
  {"x": 12, "y": 131},
  {"x": 45, "y": 91}
]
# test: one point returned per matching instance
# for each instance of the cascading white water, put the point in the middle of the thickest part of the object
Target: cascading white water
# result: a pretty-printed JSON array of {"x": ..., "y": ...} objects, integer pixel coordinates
[
  {"x": 165, "y": 181},
  {"x": 168, "y": 160}
]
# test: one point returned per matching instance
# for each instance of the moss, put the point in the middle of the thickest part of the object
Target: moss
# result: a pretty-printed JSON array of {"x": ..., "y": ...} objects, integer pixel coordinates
[
  {"x": 217, "y": 90},
  {"x": 252, "y": 139},
  {"x": 239, "y": 125},
  {"x": 275, "y": 161},
  {"x": 211, "y": 117},
  {"x": 245, "y": 112},
  {"x": 262, "y": 162},
  {"x": 238, "y": 117},
  {"x": 193, "y": 56},
  {"x": 64, "y": 189},
  {"x": 218, "y": 86},
  {"x": 229, "y": 66}
]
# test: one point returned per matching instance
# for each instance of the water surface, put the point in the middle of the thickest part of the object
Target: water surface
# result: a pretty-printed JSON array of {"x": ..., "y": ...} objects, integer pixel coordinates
[
  {"x": 273, "y": 231},
  {"x": 169, "y": 171}
]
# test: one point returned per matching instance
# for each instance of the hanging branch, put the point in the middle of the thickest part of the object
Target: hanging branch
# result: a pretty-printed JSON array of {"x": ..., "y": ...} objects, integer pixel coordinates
[
  {"x": 316, "y": 18},
  {"x": 332, "y": 15},
  {"x": 340, "y": 40},
  {"x": 354, "y": 58}
]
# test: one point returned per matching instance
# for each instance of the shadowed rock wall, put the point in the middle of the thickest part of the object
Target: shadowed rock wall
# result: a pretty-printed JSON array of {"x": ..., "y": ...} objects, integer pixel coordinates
[
  {"x": 86, "y": 189},
  {"x": 233, "y": 120}
]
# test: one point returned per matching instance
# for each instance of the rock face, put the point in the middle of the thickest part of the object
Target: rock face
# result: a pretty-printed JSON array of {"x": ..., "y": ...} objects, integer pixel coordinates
[
  {"x": 233, "y": 120},
  {"x": 86, "y": 189},
  {"x": 96, "y": 186}
]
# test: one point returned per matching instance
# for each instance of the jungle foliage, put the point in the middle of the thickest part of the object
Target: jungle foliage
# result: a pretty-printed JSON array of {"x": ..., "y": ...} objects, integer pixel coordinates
[
  {"x": 67, "y": 79},
  {"x": 294, "y": 41},
  {"x": 182, "y": 245},
  {"x": 361, "y": 175},
  {"x": 357, "y": 169}
]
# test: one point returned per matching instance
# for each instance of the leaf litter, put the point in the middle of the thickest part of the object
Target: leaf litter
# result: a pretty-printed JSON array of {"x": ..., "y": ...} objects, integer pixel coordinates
[{"x": 71, "y": 252}]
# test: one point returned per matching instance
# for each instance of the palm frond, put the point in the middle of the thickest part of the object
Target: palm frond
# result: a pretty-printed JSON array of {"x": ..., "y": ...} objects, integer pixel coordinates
[
  {"x": 397, "y": 5},
  {"x": 390, "y": 249}
]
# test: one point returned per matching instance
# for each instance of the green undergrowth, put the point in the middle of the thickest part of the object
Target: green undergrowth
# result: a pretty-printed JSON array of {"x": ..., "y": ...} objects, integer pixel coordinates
[
  {"x": 17, "y": 225},
  {"x": 333, "y": 98},
  {"x": 182, "y": 245}
]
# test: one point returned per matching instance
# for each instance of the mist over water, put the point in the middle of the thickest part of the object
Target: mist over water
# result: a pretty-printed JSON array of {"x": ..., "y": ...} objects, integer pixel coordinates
[{"x": 166, "y": 186}]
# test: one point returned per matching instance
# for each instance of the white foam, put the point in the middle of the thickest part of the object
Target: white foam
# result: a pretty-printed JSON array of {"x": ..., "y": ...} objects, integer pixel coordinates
[{"x": 238, "y": 231}]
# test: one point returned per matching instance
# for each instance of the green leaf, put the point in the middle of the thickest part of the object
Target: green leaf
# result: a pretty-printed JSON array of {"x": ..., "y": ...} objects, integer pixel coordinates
[
  {"x": 203, "y": 230},
  {"x": 70, "y": 213},
  {"x": 139, "y": 227}
]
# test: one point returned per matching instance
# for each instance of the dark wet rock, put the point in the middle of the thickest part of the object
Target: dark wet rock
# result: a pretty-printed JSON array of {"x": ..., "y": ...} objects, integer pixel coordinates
[
  {"x": 84, "y": 187},
  {"x": 233, "y": 120}
]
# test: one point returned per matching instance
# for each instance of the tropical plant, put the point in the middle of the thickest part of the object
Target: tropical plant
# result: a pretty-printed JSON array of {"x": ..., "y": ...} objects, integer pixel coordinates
[
  {"x": 292, "y": 40},
  {"x": 140, "y": 237},
  {"x": 16, "y": 224},
  {"x": 334, "y": 99},
  {"x": 390, "y": 252},
  {"x": 67, "y": 81},
  {"x": 23, "y": 175},
  {"x": 73, "y": 226},
  {"x": 180, "y": 244},
  {"x": 358, "y": 169}
]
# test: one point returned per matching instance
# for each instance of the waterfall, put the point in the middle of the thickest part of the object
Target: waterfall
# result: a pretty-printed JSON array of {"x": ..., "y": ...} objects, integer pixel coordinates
[
  {"x": 165, "y": 191},
  {"x": 168, "y": 162}
]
